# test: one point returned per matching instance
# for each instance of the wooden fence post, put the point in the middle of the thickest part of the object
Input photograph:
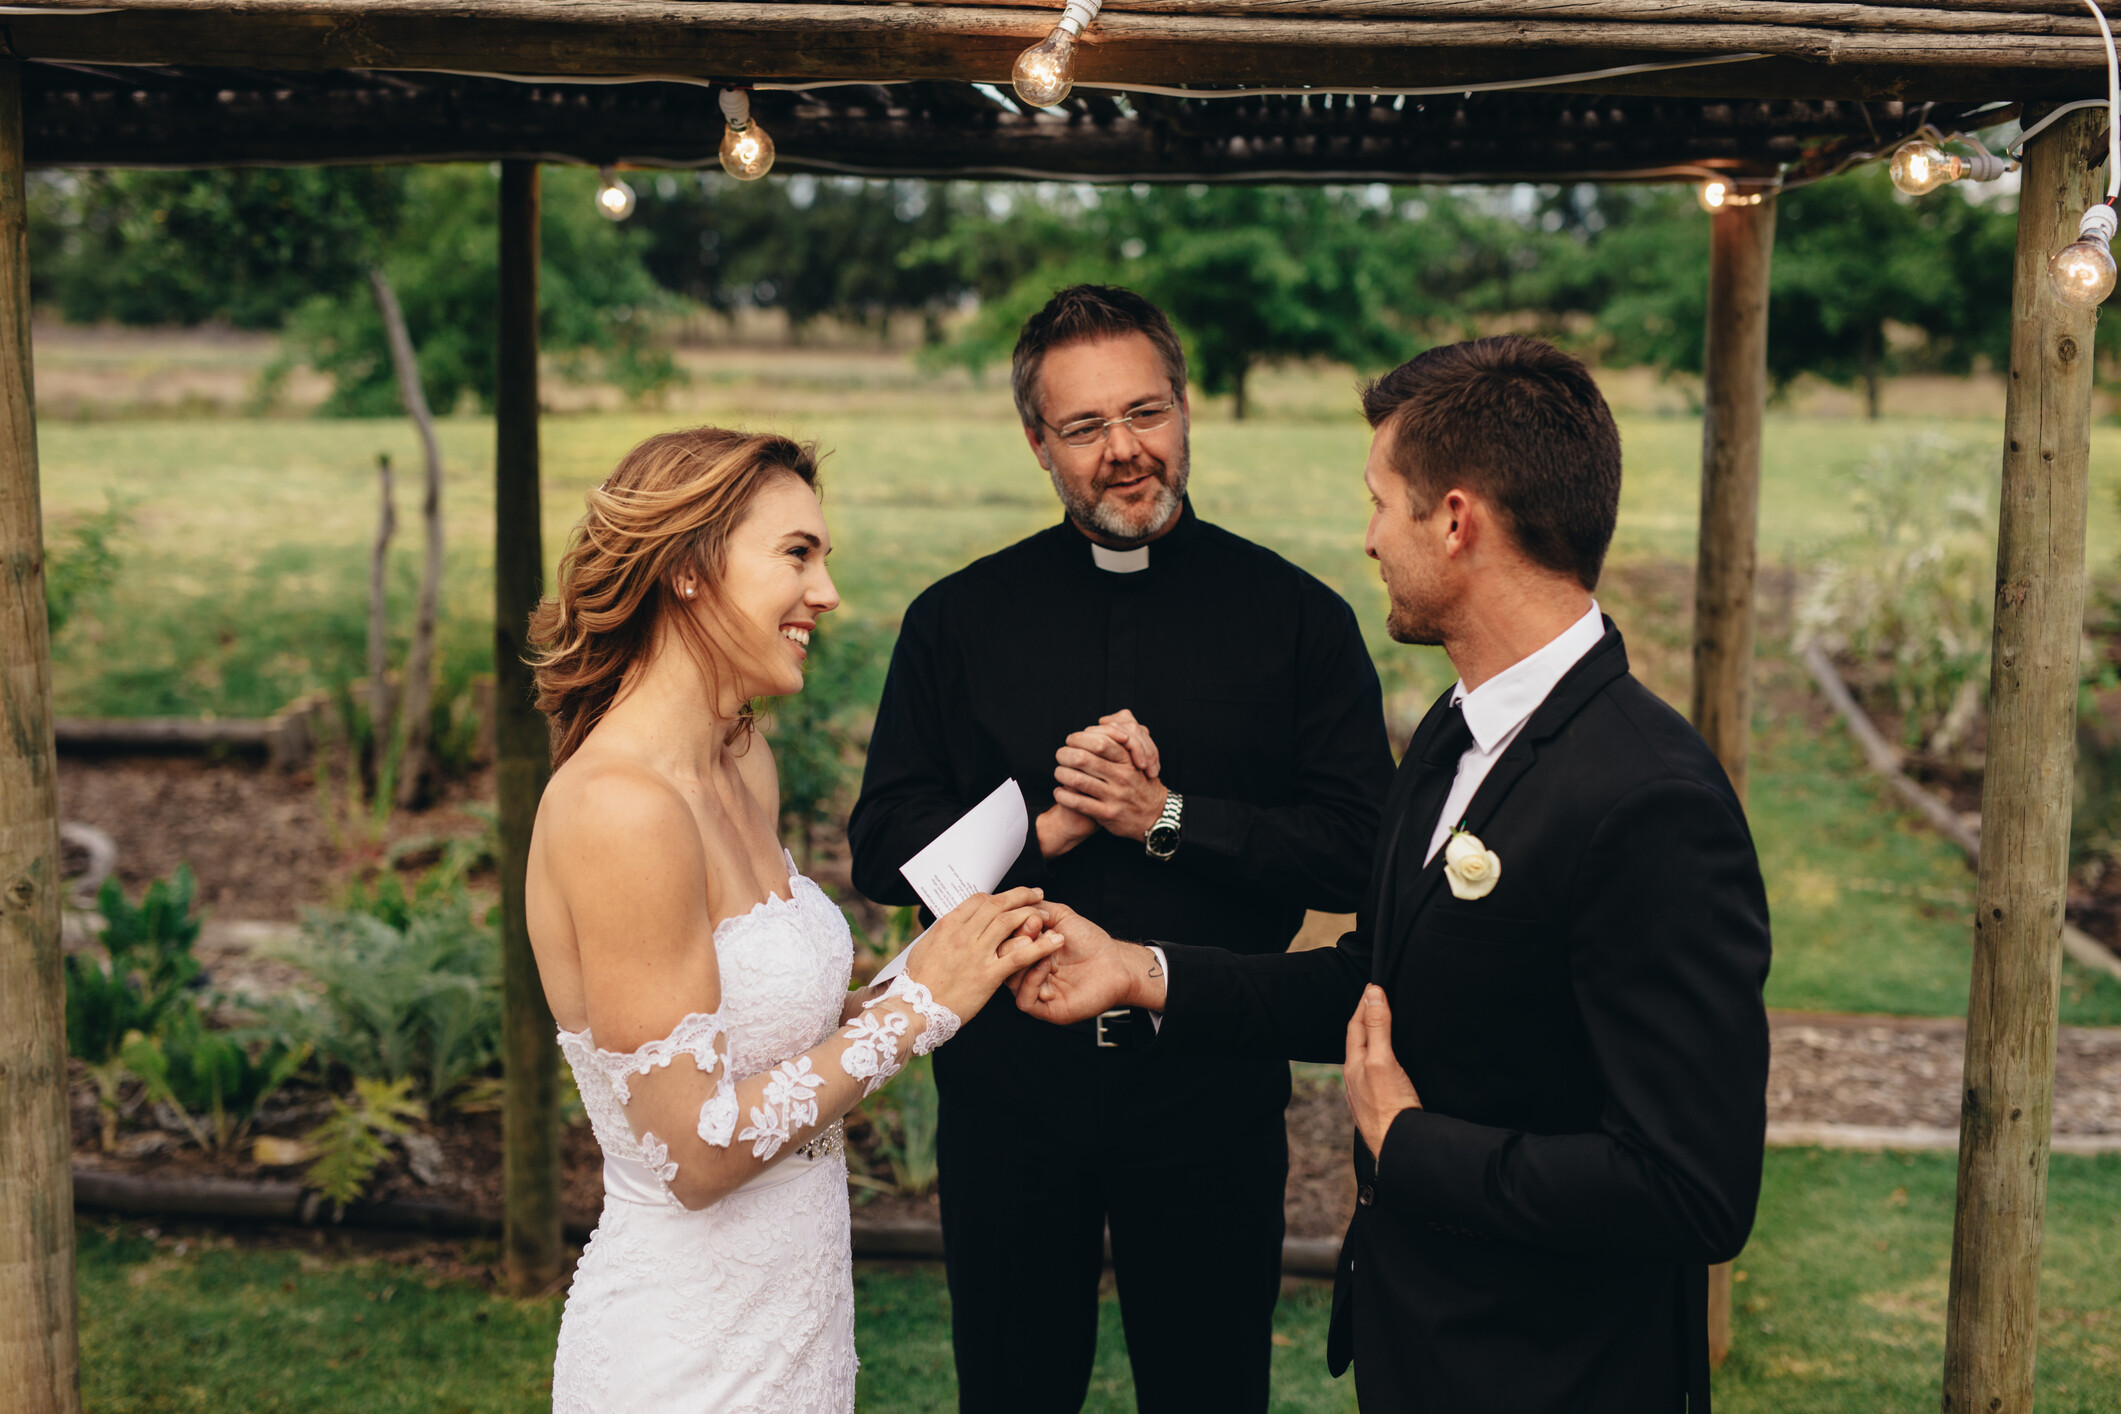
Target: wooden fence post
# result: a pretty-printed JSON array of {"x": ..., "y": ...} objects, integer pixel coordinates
[
  {"x": 522, "y": 757},
  {"x": 1734, "y": 395},
  {"x": 1991, "y": 1322},
  {"x": 39, "y": 1355}
]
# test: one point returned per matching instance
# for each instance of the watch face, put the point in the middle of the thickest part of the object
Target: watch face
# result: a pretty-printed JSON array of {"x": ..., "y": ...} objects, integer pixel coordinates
[{"x": 1162, "y": 838}]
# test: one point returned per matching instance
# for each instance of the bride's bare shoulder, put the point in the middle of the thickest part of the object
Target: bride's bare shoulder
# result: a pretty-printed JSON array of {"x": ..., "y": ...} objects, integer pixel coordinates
[{"x": 606, "y": 809}]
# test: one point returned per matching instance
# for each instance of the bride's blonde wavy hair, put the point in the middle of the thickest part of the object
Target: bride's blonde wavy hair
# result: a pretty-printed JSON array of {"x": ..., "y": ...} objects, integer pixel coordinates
[{"x": 666, "y": 508}]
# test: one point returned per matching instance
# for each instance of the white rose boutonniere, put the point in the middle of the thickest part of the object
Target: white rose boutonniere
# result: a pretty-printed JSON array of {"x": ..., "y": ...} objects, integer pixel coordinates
[{"x": 1469, "y": 866}]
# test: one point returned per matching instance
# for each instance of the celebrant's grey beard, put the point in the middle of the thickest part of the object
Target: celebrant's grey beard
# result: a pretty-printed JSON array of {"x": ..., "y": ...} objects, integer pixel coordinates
[{"x": 1112, "y": 521}]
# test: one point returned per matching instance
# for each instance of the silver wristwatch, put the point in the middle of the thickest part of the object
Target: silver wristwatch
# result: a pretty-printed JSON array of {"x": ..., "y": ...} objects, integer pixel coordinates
[{"x": 1161, "y": 841}]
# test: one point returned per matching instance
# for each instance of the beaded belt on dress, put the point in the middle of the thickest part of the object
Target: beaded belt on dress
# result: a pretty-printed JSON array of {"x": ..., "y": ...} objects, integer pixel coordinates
[{"x": 830, "y": 1140}]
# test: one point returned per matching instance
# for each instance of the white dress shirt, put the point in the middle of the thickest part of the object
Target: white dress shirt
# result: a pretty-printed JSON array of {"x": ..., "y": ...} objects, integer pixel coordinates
[{"x": 1497, "y": 710}]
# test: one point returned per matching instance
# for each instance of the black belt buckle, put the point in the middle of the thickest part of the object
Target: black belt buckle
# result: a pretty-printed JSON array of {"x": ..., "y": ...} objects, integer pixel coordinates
[{"x": 1119, "y": 1014}]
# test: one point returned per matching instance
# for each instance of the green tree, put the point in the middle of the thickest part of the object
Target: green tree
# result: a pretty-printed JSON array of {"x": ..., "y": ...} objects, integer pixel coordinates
[
  {"x": 597, "y": 306},
  {"x": 1852, "y": 256},
  {"x": 246, "y": 245},
  {"x": 814, "y": 247},
  {"x": 1252, "y": 275}
]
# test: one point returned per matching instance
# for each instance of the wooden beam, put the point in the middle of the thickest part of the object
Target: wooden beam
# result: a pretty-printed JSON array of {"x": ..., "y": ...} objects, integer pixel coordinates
[
  {"x": 723, "y": 39},
  {"x": 195, "y": 117},
  {"x": 1881, "y": 18},
  {"x": 530, "y": 1136},
  {"x": 1992, "y": 1319},
  {"x": 39, "y": 1352},
  {"x": 1734, "y": 394}
]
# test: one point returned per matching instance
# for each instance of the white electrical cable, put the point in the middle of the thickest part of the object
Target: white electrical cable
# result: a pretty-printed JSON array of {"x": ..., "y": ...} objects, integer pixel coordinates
[
  {"x": 1505, "y": 85},
  {"x": 2018, "y": 147},
  {"x": 2113, "y": 104}
]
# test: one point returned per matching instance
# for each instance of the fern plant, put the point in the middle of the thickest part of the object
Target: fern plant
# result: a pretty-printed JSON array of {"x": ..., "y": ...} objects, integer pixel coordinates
[
  {"x": 354, "y": 1138},
  {"x": 148, "y": 963},
  {"x": 414, "y": 993},
  {"x": 216, "y": 1081}
]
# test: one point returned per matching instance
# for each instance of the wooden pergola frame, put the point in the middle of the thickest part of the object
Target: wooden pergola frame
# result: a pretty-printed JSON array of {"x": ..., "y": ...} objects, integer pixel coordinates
[{"x": 1170, "y": 90}]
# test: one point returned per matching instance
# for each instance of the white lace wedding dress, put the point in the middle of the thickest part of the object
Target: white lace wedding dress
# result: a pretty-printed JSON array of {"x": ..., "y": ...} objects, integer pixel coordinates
[{"x": 747, "y": 1304}]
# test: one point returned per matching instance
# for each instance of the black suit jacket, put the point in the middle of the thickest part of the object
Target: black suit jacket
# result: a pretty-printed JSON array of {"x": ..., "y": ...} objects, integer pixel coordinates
[{"x": 1591, "y": 1052}]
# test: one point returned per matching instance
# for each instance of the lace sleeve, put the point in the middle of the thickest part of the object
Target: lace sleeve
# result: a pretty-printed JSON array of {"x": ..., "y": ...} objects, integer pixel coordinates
[{"x": 670, "y": 1090}]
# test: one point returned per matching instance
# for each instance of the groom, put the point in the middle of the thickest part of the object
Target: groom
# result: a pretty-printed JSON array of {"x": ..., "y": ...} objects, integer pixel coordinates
[{"x": 1550, "y": 1008}]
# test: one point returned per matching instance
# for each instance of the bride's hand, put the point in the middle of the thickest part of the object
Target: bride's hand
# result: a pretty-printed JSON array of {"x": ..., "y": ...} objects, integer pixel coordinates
[{"x": 975, "y": 948}]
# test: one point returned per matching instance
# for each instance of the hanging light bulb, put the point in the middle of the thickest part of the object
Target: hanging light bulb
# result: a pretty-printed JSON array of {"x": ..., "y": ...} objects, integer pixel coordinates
[
  {"x": 2082, "y": 272},
  {"x": 1719, "y": 193},
  {"x": 1044, "y": 75},
  {"x": 747, "y": 153},
  {"x": 1920, "y": 167},
  {"x": 614, "y": 197}
]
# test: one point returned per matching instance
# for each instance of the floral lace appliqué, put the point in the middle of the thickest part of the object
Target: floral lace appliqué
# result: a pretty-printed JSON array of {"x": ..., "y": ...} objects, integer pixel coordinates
[
  {"x": 872, "y": 1047},
  {"x": 656, "y": 1154},
  {"x": 789, "y": 1104},
  {"x": 942, "y": 1023}
]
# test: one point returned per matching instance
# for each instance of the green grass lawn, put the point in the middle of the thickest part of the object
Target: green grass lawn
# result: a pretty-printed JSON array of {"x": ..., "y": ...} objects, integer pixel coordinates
[
  {"x": 243, "y": 580},
  {"x": 1840, "y": 1310}
]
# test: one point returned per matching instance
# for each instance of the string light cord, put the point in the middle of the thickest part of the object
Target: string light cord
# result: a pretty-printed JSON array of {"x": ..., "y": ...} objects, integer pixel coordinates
[{"x": 1501, "y": 86}]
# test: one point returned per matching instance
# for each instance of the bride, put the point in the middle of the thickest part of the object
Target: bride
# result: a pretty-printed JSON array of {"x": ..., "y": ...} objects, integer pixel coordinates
[{"x": 699, "y": 982}]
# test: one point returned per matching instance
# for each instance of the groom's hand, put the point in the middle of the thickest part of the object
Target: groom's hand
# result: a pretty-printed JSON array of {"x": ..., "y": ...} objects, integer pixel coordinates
[
  {"x": 1378, "y": 1088},
  {"x": 1091, "y": 974}
]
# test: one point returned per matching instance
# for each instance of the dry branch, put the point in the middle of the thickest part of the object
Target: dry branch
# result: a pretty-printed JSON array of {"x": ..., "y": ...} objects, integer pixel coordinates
[
  {"x": 419, "y": 662},
  {"x": 2086, "y": 950}
]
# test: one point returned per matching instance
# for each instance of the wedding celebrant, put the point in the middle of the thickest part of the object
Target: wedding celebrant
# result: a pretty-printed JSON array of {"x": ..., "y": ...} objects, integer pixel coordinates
[
  {"x": 1549, "y": 1011},
  {"x": 1198, "y": 730}
]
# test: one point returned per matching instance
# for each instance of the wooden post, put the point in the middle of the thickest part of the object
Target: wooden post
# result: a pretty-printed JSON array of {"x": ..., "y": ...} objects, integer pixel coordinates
[
  {"x": 522, "y": 758},
  {"x": 1991, "y": 1323},
  {"x": 1734, "y": 395},
  {"x": 39, "y": 1354}
]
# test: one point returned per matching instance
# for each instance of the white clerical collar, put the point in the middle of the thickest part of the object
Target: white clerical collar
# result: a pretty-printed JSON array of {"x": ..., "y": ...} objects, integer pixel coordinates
[
  {"x": 1119, "y": 561},
  {"x": 1502, "y": 704}
]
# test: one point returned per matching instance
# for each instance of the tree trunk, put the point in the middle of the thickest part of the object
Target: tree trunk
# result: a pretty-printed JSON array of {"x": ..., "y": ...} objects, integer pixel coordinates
[
  {"x": 1734, "y": 393},
  {"x": 1238, "y": 406},
  {"x": 39, "y": 1355},
  {"x": 1870, "y": 371},
  {"x": 379, "y": 705},
  {"x": 530, "y": 1132},
  {"x": 419, "y": 662},
  {"x": 1992, "y": 1318}
]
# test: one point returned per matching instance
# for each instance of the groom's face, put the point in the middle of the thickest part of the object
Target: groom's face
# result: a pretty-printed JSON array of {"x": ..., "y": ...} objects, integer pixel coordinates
[{"x": 1411, "y": 550}]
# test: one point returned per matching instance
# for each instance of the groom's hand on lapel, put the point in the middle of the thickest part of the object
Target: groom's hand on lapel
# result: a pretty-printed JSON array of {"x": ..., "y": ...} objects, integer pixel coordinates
[{"x": 1379, "y": 1090}]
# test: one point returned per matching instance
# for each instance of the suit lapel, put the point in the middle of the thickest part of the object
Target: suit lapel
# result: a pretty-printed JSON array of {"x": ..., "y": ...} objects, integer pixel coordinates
[
  {"x": 1605, "y": 662},
  {"x": 1400, "y": 803}
]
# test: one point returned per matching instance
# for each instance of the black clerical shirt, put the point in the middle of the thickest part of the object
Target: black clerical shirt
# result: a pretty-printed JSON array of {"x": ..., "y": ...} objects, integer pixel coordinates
[{"x": 1250, "y": 674}]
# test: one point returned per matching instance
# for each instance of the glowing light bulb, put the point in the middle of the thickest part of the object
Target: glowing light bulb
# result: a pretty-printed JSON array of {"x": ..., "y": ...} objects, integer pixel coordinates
[
  {"x": 614, "y": 197},
  {"x": 1044, "y": 74},
  {"x": 1920, "y": 167},
  {"x": 747, "y": 153},
  {"x": 1714, "y": 195},
  {"x": 2082, "y": 272}
]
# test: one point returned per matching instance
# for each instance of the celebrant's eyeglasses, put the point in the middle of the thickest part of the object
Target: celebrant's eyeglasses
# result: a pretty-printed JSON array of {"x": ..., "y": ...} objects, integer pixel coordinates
[{"x": 1092, "y": 430}]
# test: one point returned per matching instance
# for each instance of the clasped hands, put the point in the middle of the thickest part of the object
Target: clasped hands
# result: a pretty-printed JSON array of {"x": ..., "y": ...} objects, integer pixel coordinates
[
  {"x": 1106, "y": 776},
  {"x": 1093, "y": 972}
]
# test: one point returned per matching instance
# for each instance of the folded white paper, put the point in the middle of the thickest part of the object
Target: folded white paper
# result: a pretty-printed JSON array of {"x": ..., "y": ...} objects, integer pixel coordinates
[{"x": 968, "y": 858}]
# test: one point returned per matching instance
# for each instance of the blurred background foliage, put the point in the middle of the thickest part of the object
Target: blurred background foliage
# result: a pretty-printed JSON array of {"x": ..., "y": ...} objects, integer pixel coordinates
[{"x": 1867, "y": 283}]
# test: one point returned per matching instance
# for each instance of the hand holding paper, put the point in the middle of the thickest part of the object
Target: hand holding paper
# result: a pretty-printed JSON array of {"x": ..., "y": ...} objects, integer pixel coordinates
[{"x": 968, "y": 858}]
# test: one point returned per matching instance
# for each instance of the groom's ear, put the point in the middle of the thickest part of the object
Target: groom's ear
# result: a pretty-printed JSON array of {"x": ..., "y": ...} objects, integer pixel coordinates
[{"x": 1038, "y": 445}]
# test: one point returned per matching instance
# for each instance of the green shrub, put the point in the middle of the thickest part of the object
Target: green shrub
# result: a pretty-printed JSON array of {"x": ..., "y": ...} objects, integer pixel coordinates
[
  {"x": 354, "y": 1138},
  {"x": 1913, "y": 590},
  {"x": 410, "y": 988},
  {"x": 215, "y": 1080},
  {"x": 818, "y": 733},
  {"x": 905, "y": 1115},
  {"x": 143, "y": 978},
  {"x": 80, "y": 565}
]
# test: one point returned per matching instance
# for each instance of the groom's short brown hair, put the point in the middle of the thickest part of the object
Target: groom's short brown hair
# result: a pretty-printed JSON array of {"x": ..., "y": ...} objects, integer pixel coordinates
[{"x": 1520, "y": 423}]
